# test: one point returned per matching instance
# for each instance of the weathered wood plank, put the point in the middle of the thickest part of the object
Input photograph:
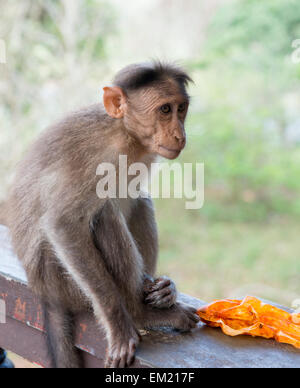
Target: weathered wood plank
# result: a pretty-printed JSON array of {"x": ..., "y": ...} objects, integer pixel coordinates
[
  {"x": 23, "y": 332},
  {"x": 30, "y": 344}
]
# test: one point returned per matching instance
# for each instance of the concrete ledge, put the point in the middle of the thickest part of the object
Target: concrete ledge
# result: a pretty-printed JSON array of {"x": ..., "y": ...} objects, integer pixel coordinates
[{"x": 203, "y": 348}]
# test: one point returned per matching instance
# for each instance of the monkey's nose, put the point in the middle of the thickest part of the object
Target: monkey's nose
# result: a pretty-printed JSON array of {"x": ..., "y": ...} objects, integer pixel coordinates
[{"x": 181, "y": 140}]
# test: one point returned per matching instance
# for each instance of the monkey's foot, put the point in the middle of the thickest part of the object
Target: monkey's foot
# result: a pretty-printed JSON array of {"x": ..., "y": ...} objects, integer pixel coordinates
[
  {"x": 187, "y": 318},
  {"x": 121, "y": 352},
  {"x": 180, "y": 317},
  {"x": 161, "y": 293}
]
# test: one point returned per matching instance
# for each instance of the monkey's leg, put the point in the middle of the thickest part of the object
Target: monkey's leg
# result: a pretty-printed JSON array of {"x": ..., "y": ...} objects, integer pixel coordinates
[
  {"x": 59, "y": 327},
  {"x": 98, "y": 271}
]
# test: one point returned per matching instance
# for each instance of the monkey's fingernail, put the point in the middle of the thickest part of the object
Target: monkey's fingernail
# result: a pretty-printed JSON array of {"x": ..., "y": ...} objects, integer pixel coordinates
[{"x": 154, "y": 303}]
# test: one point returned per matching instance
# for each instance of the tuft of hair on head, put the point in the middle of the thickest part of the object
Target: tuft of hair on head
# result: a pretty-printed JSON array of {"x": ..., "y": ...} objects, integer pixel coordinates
[{"x": 136, "y": 76}]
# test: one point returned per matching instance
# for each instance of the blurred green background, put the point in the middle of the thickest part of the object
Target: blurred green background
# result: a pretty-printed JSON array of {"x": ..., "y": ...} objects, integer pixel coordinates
[{"x": 244, "y": 122}]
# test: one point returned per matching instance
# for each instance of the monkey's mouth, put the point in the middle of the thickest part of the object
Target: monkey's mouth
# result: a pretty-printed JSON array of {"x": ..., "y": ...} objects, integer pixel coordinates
[{"x": 168, "y": 152}]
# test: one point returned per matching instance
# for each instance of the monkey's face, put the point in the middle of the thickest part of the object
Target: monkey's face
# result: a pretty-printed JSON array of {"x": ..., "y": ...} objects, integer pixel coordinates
[
  {"x": 157, "y": 117},
  {"x": 154, "y": 115}
]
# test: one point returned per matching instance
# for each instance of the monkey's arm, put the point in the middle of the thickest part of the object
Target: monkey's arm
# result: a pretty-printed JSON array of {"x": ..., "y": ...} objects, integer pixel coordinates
[
  {"x": 143, "y": 227},
  {"x": 119, "y": 251},
  {"x": 160, "y": 292},
  {"x": 124, "y": 251},
  {"x": 74, "y": 247}
]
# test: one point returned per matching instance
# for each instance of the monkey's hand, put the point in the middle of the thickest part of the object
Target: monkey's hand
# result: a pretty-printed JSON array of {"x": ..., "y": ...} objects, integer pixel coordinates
[
  {"x": 122, "y": 348},
  {"x": 160, "y": 293}
]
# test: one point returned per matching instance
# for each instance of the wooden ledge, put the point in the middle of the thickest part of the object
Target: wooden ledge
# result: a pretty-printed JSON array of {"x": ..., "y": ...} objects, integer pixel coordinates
[{"x": 203, "y": 348}]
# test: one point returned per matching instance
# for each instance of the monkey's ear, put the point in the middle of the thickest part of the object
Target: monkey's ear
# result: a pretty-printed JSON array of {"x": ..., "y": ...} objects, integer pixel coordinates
[{"x": 114, "y": 100}]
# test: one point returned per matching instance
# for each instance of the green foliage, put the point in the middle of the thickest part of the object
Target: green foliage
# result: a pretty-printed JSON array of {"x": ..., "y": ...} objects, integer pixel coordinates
[
  {"x": 249, "y": 89},
  {"x": 53, "y": 47},
  {"x": 261, "y": 30},
  {"x": 229, "y": 259}
]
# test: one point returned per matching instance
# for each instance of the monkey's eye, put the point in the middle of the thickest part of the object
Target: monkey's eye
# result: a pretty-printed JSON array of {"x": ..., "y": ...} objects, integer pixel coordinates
[
  {"x": 182, "y": 108},
  {"x": 166, "y": 109}
]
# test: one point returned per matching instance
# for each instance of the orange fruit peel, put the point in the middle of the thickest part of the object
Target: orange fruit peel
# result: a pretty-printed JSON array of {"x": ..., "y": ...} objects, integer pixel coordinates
[{"x": 252, "y": 317}]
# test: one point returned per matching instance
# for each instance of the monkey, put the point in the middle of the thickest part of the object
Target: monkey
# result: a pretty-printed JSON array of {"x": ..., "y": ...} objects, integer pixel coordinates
[{"x": 83, "y": 253}]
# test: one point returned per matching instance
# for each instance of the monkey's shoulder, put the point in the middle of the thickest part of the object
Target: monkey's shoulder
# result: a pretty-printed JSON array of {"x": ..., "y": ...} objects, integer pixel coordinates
[
  {"x": 90, "y": 118},
  {"x": 74, "y": 132}
]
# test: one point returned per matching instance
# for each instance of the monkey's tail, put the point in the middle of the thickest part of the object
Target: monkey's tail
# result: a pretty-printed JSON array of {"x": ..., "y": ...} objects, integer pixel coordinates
[
  {"x": 60, "y": 335},
  {"x": 3, "y": 213}
]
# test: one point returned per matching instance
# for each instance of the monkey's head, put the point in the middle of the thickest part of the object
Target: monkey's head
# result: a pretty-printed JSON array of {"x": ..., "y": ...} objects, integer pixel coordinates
[{"x": 152, "y": 101}]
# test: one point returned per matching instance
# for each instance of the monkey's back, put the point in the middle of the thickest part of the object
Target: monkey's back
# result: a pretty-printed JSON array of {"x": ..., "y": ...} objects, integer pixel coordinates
[{"x": 58, "y": 170}]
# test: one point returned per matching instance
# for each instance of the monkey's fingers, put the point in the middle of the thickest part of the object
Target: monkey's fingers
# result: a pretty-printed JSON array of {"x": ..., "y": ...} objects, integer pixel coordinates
[
  {"x": 148, "y": 284},
  {"x": 115, "y": 362},
  {"x": 116, "y": 357},
  {"x": 166, "y": 302},
  {"x": 161, "y": 283},
  {"x": 121, "y": 355},
  {"x": 194, "y": 317},
  {"x": 164, "y": 298},
  {"x": 190, "y": 311},
  {"x": 156, "y": 295},
  {"x": 131, "y": 353},
  {"x": 163, "y": 293},
  {"x": 108, "y": 362}
]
